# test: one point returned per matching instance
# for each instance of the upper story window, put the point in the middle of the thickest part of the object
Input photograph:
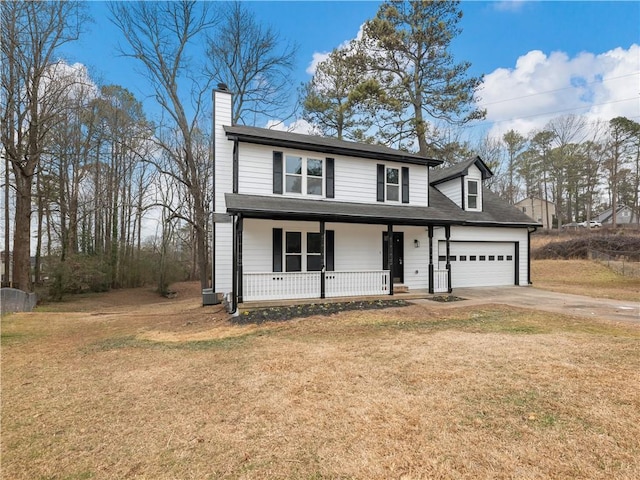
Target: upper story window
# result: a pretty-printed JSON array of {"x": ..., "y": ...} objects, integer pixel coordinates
[
  {"x": 393, "y": 184},
  {"x": 472, "y": 195},
  {"x": 304, "y": 175}
]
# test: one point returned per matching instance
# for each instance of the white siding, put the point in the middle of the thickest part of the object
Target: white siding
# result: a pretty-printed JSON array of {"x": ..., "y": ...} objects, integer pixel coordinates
[
  {"x": 474, "y": 173},
  {"x": 491, "y": 234},
  {"x": 224, "y": 257},
  {"x": 416, "y": 259},
  {"x": 223, "y": 158},
  {"x": 357, "y": 247},
  {"x": 355, "y": 178},
  {"x": 223, "y": 155},
  {"x": 453, "y": 190}
]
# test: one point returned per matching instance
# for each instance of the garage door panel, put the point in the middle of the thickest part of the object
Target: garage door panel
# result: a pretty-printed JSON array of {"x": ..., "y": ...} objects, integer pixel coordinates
[{"x": 475, "y": 264}]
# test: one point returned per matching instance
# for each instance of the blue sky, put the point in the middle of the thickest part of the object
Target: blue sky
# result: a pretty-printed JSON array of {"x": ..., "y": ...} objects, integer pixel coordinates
[{"x": 585, "y": 52}]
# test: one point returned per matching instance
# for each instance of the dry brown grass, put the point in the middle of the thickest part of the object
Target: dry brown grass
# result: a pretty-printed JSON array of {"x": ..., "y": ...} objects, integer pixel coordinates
[
  {"x": 584, "y": 277},
  {"x": 166, "y": 389}
]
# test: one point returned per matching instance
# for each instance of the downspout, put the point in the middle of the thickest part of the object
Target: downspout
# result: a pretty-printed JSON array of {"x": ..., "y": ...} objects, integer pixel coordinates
[
  {"x": 233, "y": 308},
  {"x": 213, "y": 208},
  {"x": 529, "y": 232}
]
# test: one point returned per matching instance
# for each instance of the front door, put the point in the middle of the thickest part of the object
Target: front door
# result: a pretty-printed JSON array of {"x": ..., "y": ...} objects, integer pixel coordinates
[{"x": 397, "y": 270}]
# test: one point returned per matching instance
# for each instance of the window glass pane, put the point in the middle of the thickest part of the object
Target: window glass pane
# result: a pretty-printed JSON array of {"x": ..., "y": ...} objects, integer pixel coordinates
[
  {"x": 442, "y": 258},
  {"x": 294, "y": 184},
  {"x": 463, "y": 258},
  {"x": 314, "y": 167},
  {"x": 314, "y": 186},
  {"x": 294, "y": 242},
  {"x": 472, "y": 258},
  {"x": 473, "y": 188},
  {"x": 313, "y": 243},
  {"x": 294, "y": 165},
  {"x": 294, "y": 263},
  {"x": 500, "y": 257},
  {"x": 452, "y": 258},
  {"x": 483, "y": 258},
  {"x": 392, "y": 193},
  {"x": 472, "y": 202},
  {"x": 492, "y": 257},
  {"x": 313, "y": 263},
  {"x": 392, "y": 175},
  {"x": 509, "y": 257}
]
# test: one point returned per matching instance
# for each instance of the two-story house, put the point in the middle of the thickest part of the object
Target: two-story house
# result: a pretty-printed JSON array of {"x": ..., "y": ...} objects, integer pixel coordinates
[{"x": 303, "y": 216}]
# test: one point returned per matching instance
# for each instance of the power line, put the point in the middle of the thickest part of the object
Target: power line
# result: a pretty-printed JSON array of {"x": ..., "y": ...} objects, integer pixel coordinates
[
  {"x": 552, "y": 113},
  {"x": 561, "y": 89}
]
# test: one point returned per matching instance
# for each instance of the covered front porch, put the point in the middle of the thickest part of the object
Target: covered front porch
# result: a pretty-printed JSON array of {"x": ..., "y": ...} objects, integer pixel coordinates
[{"x": 282, "y": 254}]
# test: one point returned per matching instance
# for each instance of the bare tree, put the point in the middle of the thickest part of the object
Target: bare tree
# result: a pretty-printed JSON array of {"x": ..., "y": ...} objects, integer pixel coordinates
[
  {"x": 254, "y": 62},
  {"x": 32, "y": 32},
  {"x": 158, "y": 35}
]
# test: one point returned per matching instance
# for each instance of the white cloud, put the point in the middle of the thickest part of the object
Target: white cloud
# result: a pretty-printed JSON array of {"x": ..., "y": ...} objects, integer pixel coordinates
[
  {"x": 319, "y": 57},
  {"x": 509, "y": 5},
  {"x": 541, "y": 87},
  {"x": 297, "y": 126}
]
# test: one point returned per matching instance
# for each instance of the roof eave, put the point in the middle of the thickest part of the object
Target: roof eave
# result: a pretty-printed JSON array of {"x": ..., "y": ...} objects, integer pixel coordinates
[{"x": 334, "y": 150}]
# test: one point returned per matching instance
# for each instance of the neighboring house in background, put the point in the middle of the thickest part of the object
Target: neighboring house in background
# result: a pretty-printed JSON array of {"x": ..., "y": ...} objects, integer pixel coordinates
[
  {"x": 302, "y": 216},
  {"x": 6, "y": 282},
  {"x": 624, "y": 215},
  {"x": 536, "y": 209}
]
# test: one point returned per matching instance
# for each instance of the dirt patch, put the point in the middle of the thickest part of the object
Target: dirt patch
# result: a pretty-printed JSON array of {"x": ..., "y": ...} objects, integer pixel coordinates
[{"x": 281, "y": 314}]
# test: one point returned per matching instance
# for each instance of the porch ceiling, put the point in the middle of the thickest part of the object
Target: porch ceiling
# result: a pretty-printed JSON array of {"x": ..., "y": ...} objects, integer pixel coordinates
[{"x": 441, "y": 212}]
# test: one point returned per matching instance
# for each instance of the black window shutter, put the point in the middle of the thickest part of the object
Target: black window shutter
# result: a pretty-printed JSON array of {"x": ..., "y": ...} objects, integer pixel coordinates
[
  {"x": 380, "y": 183},
  {"x": 329, "y": 250},
  {"x": 405, "y": 184},
  {"x": 277, "y": 249},
  {"x": 330, "y": 179},
  {"x": 277, "y": 172}
]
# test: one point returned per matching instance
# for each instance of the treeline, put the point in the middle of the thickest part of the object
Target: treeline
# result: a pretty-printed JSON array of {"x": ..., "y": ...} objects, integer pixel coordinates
[
  {"x": 581, "y": 166},
  {"x": 110, "y": 197},
  {"x": 86, "y": 171}
]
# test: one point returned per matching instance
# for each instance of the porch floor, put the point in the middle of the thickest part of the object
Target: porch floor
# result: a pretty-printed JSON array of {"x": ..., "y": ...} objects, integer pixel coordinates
[{"x": 412, "y": 295}]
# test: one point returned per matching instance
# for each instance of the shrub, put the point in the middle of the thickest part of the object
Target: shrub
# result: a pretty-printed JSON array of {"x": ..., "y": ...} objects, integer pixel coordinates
[{"x": 578, "y": 248}]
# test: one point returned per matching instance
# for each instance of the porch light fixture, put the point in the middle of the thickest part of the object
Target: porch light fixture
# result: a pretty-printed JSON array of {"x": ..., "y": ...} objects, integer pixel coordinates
[{"x": 416, "y": 243}]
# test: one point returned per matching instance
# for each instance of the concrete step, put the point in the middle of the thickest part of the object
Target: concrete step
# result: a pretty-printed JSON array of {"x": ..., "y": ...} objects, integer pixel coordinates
[{"x": 400, "y": 288}]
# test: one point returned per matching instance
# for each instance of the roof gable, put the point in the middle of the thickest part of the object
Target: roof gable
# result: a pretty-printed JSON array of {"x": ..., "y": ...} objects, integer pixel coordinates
[{"x": 441, "y": 175}]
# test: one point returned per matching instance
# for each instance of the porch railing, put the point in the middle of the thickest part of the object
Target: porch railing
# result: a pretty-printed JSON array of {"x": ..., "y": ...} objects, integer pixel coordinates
[
  {"x": 441, "y": 281},
  {"x": 292, "y": 285},
  {"x": 353, "y": 284}
]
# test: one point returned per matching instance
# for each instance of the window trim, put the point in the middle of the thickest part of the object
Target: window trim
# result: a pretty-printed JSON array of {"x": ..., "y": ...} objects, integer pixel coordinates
[
  {"x": 397, "y": 185},
  {"x": 304, "y": 176},
  {"x": 476, "y": 196}
]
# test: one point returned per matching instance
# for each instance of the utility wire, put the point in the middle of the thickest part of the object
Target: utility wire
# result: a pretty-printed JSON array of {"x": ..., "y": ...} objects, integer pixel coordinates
[{"x": 560, "y": 89}]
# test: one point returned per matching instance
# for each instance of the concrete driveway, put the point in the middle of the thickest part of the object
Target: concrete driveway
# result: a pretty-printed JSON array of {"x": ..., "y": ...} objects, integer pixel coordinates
[{"x": 530, "y": 297}]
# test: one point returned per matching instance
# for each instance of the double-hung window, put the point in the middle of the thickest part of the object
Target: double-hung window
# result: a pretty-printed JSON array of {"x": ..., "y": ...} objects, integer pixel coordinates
[
  {"x": 296, "y": 252},
  {"x": 472, "y": 194},
  {"x": 304, "y": 175},
  {"x": 393, "y": 184},
  {"x": 293, "y": 252}
]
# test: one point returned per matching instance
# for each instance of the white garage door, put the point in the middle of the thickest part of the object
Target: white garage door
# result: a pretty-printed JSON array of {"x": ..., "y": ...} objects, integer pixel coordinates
[{"x": 478, "y": 264}]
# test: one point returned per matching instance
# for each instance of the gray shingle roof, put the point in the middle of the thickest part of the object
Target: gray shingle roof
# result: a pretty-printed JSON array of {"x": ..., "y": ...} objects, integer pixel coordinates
[
  {"x": 440, "y": 175},
  {"x": 441, "y": 211},
  {"x": 316, "y": 143}
]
